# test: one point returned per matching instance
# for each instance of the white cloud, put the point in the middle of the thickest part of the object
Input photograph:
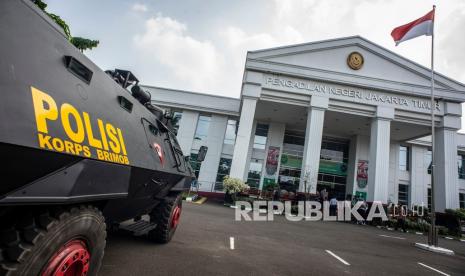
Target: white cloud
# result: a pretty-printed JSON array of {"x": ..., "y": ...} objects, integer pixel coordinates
[
  {"x": 194, "y": 63},
  {"x": 450, "y": 48},
  {"x": 137, "y": 7},
  {"x": 216, "y": 64}
]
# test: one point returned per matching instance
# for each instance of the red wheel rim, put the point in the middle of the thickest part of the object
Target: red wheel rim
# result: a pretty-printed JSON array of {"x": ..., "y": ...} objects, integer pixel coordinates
[
  {"x": 175, "y": 216},
  {"x": 71, "y": 260}
]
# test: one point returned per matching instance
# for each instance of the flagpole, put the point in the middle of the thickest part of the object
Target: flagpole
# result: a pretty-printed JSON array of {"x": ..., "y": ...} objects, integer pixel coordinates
[{"x": 432, "y": 237}]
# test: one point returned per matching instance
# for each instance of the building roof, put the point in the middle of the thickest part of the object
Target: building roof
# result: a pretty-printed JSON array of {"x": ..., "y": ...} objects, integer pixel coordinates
[
  {"x": 181, "y": 99},
  {"x": 325, "y": 60},
  {"x": 426, "y": 141}
]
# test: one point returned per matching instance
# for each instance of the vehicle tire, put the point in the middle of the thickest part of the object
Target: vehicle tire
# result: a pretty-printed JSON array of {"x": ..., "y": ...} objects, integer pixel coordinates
[
  {"x": 71, "y": 241},
  {"x": 166, "y": 215}
]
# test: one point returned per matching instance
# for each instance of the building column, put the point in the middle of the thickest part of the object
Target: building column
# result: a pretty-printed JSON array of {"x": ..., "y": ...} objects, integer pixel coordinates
[
  {"x": 215, "y": 139},
  {"x": 378, "y": 164},
  {"x": 446, "y": 182},
  {"x": 275, "y": 140},
  {"x": 241, "y": 148},
  {"x": 312, "y": 146},
  {"x": 418, "y": 184},
  {"x": 352, "y": 167},
  {"x": 446, "y": 193},
  {"x": 394, "y": 172}
]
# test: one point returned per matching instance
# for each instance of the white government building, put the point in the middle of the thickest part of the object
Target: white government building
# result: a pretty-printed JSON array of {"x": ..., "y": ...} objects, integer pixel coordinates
[{"x": 345, "y": 114}]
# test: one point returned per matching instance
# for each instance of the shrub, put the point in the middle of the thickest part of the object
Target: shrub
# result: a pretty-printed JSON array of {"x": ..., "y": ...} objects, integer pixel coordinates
[
  {"x": 233, "y": 185},
  {"x": 458, "y": 213},
  {"x": 442, "y": 230}
]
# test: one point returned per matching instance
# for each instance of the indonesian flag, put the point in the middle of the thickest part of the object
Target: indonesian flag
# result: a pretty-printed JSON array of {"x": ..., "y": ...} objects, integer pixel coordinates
[{"x": 421, "y": 26}]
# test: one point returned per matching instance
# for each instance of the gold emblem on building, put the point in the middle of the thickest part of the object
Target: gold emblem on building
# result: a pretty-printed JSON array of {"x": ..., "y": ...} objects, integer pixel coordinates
[{"x": 355, "y": 60}]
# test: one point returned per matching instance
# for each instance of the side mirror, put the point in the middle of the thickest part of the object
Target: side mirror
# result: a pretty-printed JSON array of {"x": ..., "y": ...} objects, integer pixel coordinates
[{"x": 202, "y": 153}]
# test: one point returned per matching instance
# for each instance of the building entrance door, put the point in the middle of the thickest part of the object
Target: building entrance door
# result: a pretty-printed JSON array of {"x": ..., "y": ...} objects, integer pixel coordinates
[
  {"x": 332, "y": 174},
  {"x": 291, "y": 161}
]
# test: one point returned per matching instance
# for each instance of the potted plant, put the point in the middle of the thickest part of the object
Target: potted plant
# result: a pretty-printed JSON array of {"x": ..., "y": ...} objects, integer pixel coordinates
[{"x": 231, "y": 187}]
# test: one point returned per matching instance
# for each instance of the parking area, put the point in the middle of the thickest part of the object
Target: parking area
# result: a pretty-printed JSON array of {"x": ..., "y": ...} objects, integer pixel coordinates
[{"x": 203, "y": 242}]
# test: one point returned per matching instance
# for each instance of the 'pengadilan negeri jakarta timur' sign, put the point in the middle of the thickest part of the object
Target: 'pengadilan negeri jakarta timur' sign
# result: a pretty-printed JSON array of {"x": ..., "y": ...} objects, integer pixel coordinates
[{"x": 349, "y": 93}]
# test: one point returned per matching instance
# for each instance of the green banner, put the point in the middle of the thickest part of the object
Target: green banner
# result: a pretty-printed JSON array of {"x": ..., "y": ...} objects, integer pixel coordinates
[
  {"x": 361, "y": 195},
  {"x": 291, "y": 161},
  {"x": 331, "y": 167},
  {"x": 268, "y": 182},
  {"x": 326, "y": 166}
]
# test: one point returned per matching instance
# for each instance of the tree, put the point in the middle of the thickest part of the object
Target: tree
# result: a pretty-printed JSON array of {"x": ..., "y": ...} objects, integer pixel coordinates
[
  {"x": 84, "y": 43},
  {"x": 79, "y": 42}
]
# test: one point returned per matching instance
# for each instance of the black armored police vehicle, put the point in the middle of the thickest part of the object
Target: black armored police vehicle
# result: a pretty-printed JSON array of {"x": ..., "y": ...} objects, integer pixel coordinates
[{"x": 83, "y": 151}]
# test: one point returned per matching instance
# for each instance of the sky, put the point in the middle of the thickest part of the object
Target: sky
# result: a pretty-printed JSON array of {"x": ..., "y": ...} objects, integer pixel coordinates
[{"x": 201, "y": 45}]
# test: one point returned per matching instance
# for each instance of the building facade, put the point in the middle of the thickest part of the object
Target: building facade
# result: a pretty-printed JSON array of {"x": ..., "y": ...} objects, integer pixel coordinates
[{"x": 345, "y": 115}]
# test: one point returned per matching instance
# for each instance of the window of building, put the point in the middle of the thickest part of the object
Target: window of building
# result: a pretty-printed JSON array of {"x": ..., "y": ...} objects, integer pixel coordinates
[
  {"x": 223, "y": 170},
  {"x": 261, "y": 134},
  {"x": 291, "y": 160},
  {"x": 429, "y": 199},
  {"x": 403, "y": 195},
  {"x": 404, "y": 160},
  {"x": 230, "y": 135},
  {"x": 255, "y": 172},
  {"x": 294, "y": 137},
  {"x": 428, "y": 160},
  {"x": 332, "y": 173},
  {"x": 195, "y": 164},
  {"x": 462, "y": 200},
  {"x": 461, "y": 166},
  {"x": 203, "y": 125},
  {"x": 177, "y": 115}
]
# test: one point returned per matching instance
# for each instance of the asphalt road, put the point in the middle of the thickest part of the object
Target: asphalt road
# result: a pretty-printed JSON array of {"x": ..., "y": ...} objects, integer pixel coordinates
[{"x": 202, "y": 246}]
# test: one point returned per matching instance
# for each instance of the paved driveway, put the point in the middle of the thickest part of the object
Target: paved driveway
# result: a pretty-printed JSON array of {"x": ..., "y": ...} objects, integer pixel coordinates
[{"x": 202, "y": 246}]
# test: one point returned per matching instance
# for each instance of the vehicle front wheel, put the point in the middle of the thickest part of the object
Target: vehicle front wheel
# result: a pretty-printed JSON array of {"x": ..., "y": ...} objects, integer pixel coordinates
[
  {"x": 69, "y": 242},
  {"x": 166, "y": 215}
]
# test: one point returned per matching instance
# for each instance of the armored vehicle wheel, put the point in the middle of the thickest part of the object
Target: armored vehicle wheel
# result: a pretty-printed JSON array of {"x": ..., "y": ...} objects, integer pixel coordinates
[
  {"x": 166, "y": 215},
  {"x": 70, "y": 242}
]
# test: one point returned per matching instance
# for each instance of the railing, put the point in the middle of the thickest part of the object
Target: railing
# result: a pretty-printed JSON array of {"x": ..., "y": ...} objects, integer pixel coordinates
[{"x": 207, "y": 186}]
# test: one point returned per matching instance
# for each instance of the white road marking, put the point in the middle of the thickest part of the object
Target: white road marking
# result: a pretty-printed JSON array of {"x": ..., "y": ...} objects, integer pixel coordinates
[
  {"x": 434, "y": 269},
  {"x": 386, "y": 236},
  {"x": 448, "y": 238},
  {"x": 337, "y": 257},
  {"x": 231, "y": 243}
]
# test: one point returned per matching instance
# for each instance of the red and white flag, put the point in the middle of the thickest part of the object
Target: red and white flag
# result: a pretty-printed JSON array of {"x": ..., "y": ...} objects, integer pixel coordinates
[{"x": 421, "y": 26}]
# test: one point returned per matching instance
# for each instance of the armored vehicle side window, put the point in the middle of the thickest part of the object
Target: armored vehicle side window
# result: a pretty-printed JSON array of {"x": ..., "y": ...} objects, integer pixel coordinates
[
  {"x": 125, "y": 104},
  {"x": 78, "y": 69},
  {"x": 153, "y": 129}
]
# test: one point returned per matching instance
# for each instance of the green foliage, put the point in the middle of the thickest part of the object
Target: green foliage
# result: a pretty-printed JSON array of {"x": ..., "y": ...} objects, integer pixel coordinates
[
  {"x": 443, "y": 231},
  {"x": 62, "y": 24},
  {"x": 84, "y": 43},
  {"x": 420, "y": 226},
  {"x": 40, "y": 4},
  {"x": 233, "y": 185},
  {"x": 458, "y": 213},
  {"x": 79, "y": 42}
]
